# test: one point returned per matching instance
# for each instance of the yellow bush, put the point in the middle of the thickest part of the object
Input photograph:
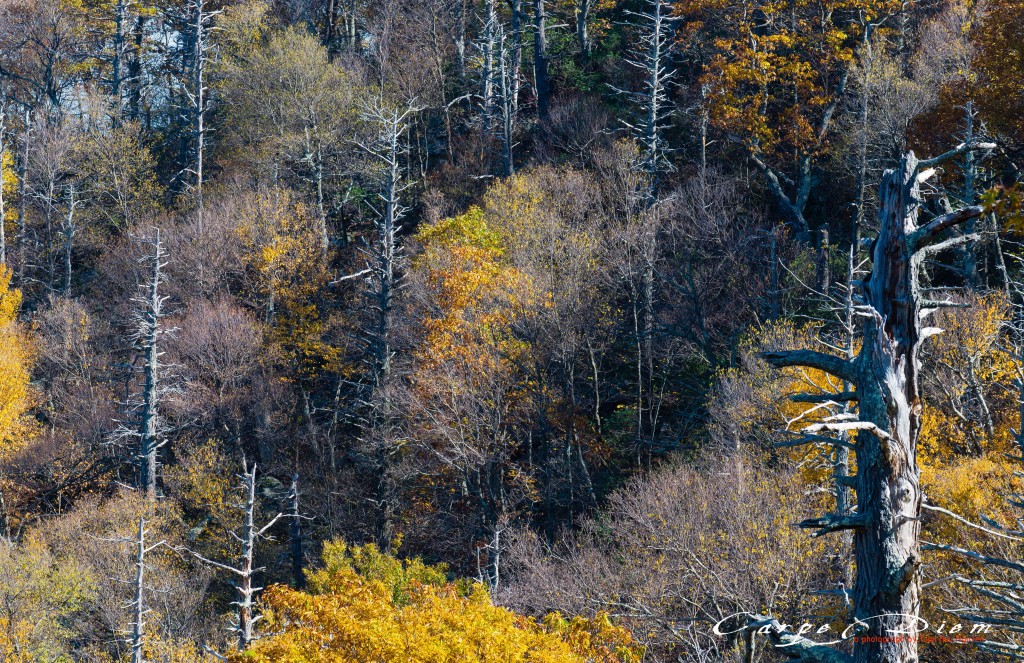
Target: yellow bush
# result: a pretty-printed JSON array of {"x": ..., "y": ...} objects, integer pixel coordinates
[{"x": 365, "y": 607}]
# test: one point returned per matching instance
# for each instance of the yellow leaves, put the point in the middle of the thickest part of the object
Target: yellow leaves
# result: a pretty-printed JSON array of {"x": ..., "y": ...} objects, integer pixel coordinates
[
  {"x": 477, "y": 296},
  {"x": 17, "y": 357},
  {"x": 777, "y": 61},
  {"x": 10, "y": 299},
  {"x": 354, "y": 615},
  {"x": 203, "y": 480},
  {"x": 971, "y": 487},
  {"x": 971, "y": 372},
  {"x": 999, "y": 60},
  {"x": 469, "y": 229},
  {"x": 285, "y": 259},
  {"x": 8, "y": 185},
  {"x": 37, "y": 594},
  {"x": 1007, "y": 203}
]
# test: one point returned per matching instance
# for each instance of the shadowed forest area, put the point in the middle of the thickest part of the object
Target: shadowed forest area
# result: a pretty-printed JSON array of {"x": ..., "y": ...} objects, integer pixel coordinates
[{"x": 609, "y": 331}]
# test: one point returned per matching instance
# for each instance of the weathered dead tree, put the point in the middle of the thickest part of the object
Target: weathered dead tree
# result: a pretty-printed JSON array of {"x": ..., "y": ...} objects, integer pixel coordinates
[
  {"x": 295, "y": 534},
  {"x": 541, "y": 78},
  {"x": 198, "y": 30},
  {"x": 139, "y": 602},
  {"x": 651, "y": 56},
  {"x": 143, "y": 421},
  {"x": 373, "y": 410},
  {"x": 245, "y": 571},
  {"x": 884, "y": 375}
]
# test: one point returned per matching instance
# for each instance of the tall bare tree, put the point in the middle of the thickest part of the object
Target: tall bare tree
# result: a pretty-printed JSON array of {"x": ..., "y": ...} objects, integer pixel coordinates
[
  {"x": 144, "y": 421},
  {"x": 651, "y": 57},
  {"x": 384, "y": 258},
  {"x": 245, "y": 570}
]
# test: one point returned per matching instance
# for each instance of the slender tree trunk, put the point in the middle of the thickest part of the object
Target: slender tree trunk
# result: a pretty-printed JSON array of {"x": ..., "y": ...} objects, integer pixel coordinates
[
  {"x": 117, "y": 62},
  {"x": 139, "y": 622},
  {"x": 134, "y": 67},
  {"x": 461, "y": 9},
  {"x": 245, "y": 570},
  {"x": 199, "y": 102},
  {"x": 969, "y": 259},
  {"x": 487, "y": 75},
  {"x": 516, "y": 9},
  {"x": 3, "y": 201},
  {"x": 540, "y": 62},
  {"x": 295, "y": 531},
  {"x": 149, "y": 335},
  {"x": 508, "y": 109},
  {"x": 582, "y": 28},
  {"x": 23, "y": 195},
  {"x": 69, "y": 234}
]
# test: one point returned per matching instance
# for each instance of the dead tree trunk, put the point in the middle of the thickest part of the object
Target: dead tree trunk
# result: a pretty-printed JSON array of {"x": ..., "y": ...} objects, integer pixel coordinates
[
  {"x": 488, "y": 47},
  {"x": 886, "y": 522},
  {"x": 382, "y": 274},
  {"x": 651, "y": 56},
  {"x": 197, "y": 96},
  {"x": 583, "y": 8},
  {"x": 117, "y": 64},
  {"x": 246, "y": 571},
  {"x": 23, "y": 194},
  {"x": 506, "y": 83},
  {"x": 147, "y": 337},
  {"x": 69, "y": 236},
  {"x": 969, "y": 259},
  {"x": 139, "y": 601},
  {"x": 295, "y": 534}
]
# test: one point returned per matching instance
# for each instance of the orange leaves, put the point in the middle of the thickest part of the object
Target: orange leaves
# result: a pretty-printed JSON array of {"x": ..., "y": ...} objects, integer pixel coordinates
[
  {"x": 775, "y": 69},
  {"x": 354, "y": 614},
  {"x": 477, "y": 297}
]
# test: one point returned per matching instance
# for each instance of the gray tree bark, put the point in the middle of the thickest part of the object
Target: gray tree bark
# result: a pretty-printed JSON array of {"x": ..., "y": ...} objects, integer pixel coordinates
[
  {"x": 147, "y": 335},
  {"x": 582, "y": 28},
  {"x": 886, "y": 522},
  {"x": 139, "y": 601},
  {"x": 245, "y": 572}
]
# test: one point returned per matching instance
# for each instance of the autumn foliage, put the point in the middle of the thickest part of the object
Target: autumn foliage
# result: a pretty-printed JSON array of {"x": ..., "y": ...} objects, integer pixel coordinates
[{"x": 366, "y": 606}]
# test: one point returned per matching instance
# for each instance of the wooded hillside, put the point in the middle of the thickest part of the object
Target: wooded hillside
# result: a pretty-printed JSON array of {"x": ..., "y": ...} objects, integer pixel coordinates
[{"x": 511, "y": 330}]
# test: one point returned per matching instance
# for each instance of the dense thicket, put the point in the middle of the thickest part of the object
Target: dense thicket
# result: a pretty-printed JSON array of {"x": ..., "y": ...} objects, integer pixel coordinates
[{"x": 488, "y": 284}]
